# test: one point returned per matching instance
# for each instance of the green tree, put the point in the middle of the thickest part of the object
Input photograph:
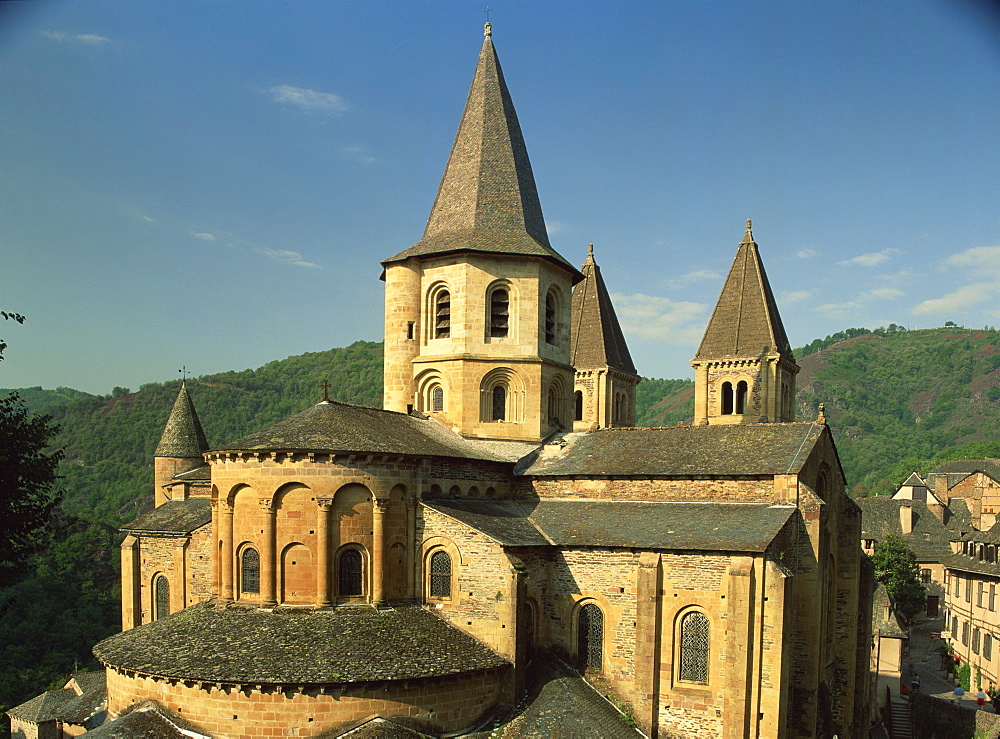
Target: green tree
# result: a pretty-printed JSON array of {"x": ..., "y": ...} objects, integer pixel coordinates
[
  {"x": 896, "y": 568},
  {"x": 27, "y": 482}
]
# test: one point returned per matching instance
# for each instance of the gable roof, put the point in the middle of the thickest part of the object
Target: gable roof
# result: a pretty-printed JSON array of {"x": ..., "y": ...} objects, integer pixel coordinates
[
  {"x": 928, "y": 538},
  {"x": 71, "y": 705},
  {"x": 235, "y": 644},
  {"x": 339, "y": 427},
  {"x": 598, "y": 340},
  {"x": 967, "y": 467},
  {"x": 738, "y": 450},
  {"x": 174, "y": 517},
  {"x": 183, "y": 436},
  {"x": 487, "y": 200},
  {"x": 745, "y": 322},
  {"x": 736, "y": 527}
]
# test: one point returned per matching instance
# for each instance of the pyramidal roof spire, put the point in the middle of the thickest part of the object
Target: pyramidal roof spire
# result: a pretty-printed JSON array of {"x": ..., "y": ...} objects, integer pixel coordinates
[
  {"x": 745, "y": 322},
  {"x": 598, "y": 340},
  {"x": 487, "y": 200},
  {"x": 183, "y": 436}
]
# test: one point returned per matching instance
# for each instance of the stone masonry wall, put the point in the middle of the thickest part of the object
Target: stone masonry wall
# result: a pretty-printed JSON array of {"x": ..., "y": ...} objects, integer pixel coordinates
[
  {"x": 479, "y": 604},
  {"x": 721, "y": 491},
  {"x": 246, "y": 712}
]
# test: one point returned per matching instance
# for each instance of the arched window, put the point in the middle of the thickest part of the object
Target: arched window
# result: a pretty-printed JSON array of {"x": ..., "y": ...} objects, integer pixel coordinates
[
  {"x": 442, "y": 315},
  {"x": 499, "y": 313},
  {"x": 741, "y": 396},
  {"x": 727, "y": 398},
  {"x": 250, "y": 571},
  {"x": 437, "y": 399},
  {"x": 550, "y": 319},
  {"x": 350, "y": 571},
  {"x": 590, "y": 637},
  {"x": 161, "y": 605},
  {"x": 440, "y": 575},
  {"x": 693, "y": 657},
  {"x": 578, "y": 405},
  {"x": 499, "y": 403}
]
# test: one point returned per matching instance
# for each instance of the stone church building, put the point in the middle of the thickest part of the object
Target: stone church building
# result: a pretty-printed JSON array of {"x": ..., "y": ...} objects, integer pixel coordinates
[{"x": 412, "y": 562}]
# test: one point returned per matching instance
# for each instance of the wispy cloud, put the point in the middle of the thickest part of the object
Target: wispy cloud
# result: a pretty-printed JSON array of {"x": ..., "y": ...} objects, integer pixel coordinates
[
  {"x": 884, "y": 293},
  {"x": 554, "y": 227},
  {"x": 90, "y": 39},
  {"x": 964, "y": 297},
  {"x": 981, "y": 258},
  {"x": 806, "y": 253},
  {"x": 205, "y": 236},
  {"x": 796, "y": 296},
  {"x": 839, "y": 310},
  {"x": 872, "y": 259},
  {"x": 660, "y": 319},
  {"x": 698, "y": 275},
  {"x": 287, "y": 257},
  {"x": 357, "y": 153},
  {"x": 311, "y": 101},
  {"x": 147, "y": 219}
]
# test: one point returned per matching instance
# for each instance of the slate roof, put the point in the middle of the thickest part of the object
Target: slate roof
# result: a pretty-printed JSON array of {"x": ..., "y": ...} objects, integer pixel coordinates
[
  {"x": 736, "y": 527},
  {"x": 929, "y": 537},
  {"x": 183, "y": 436},
  {"x": 66, "y": 704},
  {"x": 986, "y": 466},
  {"x": 147, "y": 720},
  {"x": 234, "y": 644},
  {"x": 745, "y": 322},
  {"x": 487, "y": 200},
  {"x": 598, "y": 340},
  {"x": 174, "y": 517},
  {"x": 961, "y": 520},
  {"x": 198, "y": 474},
  {"x": 339, "y": 427},
  {"x": 890, "y": 626},
  {"x": 914, "y": 480},
  {"x": 965, "y": 563},
  {"x": 48, "y": 706},
  {"x": 739, "y": 450}
]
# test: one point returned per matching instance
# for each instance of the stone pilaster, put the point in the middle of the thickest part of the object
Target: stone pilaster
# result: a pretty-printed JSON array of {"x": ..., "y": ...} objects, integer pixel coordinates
[
  {"x": 647, "y": 642},
  {"x": 131, "y": 601},
  {"x": 226, "y": 553}
]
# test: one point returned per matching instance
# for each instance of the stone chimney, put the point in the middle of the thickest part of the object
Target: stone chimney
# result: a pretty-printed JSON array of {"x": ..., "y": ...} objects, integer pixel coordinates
[
  {"x": 906, "y": 518},
  {"x": 939, "y": 510}
]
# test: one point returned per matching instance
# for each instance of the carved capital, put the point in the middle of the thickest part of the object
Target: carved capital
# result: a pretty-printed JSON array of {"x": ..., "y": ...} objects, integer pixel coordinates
[
  {"x": 325, "y": 504},
  {"x": 380, "y": 505},
  {"x": 266, "y": 505}
]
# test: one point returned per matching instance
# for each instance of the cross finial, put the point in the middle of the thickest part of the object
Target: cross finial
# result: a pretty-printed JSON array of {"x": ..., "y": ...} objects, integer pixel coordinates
[
  {"x": 183, "y": 370},
  {"x": 488, "y": 11},
  {"x": 326, "y": 391}
]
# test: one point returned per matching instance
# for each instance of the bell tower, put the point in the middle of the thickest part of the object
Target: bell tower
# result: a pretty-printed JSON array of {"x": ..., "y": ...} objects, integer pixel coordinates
[
  {"x": 477, "y": 313},
  {"x": 744, "y": 368}
]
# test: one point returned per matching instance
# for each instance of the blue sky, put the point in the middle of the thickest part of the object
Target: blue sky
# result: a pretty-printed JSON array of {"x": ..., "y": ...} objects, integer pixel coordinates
[{"x": 213, "y": 184}]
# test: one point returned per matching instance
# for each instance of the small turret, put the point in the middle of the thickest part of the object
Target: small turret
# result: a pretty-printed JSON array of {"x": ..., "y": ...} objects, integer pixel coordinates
[
  {"x": 181, "y": 445},
  {"x": 605, "y": 375},
  {"x": 744, "y": 369}
]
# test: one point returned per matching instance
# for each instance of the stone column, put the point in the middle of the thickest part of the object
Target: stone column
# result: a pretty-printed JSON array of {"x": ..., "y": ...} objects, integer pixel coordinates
[
  {"x": 379, "y": 507},
  {"x": 323, "y": 551},
  {"x": 269, "y": 555},
  {"x": 411, "y": 546},
  {"x": 178, "y": 590},
  {"x": 226, "y": 550}
]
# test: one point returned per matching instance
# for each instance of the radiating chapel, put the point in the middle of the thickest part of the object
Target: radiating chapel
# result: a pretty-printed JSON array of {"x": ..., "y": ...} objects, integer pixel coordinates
[{"x": 416, "y": 563}]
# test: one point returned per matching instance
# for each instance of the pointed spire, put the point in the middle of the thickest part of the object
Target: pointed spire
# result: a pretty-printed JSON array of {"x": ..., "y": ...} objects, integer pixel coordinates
[
  {"x": 598, "y": 340},
  {"x": 745, "y": 322},
  {"x": 183, "y": 436},
  {"x": 487, "y": 200}
]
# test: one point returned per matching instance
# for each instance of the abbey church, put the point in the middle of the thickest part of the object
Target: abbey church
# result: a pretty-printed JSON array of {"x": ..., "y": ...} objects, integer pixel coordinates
[{"x": 414, "y": 563}]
